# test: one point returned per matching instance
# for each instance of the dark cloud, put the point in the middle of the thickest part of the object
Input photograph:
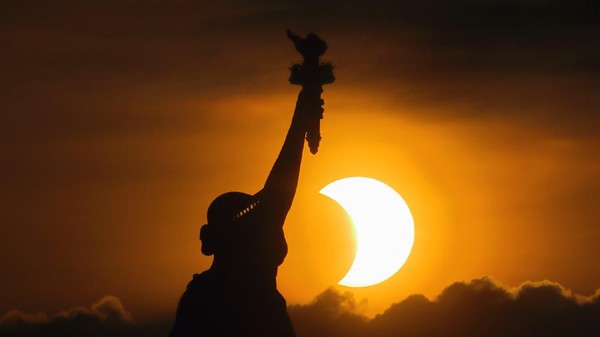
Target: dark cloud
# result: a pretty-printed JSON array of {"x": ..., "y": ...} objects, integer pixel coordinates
[
  {"x": 94, "y": 67},
  {"x": 485, "y": 308},
  {"x": 107, "y": 317},
  {"x": 481, "y": 307},
  {"x": 330, "y": 314},
  {"x": 108, "y": 309},
  {"x": 533, "y": 62}
]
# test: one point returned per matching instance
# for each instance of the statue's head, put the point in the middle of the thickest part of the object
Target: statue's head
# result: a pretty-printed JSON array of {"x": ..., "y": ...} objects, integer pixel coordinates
[{"x": 221, "y": 214}]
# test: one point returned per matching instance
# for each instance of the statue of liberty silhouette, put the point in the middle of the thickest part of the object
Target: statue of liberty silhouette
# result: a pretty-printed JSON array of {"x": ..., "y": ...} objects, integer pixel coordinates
[{"x": 237, "y": 295}]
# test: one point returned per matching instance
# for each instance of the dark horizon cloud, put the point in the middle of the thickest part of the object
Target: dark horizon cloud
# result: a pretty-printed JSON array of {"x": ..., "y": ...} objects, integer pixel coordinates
[
  {"x": 481, "y": 307},
  {"x": 107, "y": 317}
]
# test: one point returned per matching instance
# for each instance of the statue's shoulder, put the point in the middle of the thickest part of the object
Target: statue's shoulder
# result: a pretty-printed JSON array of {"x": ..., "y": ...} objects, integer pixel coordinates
[{"x": 200, "y": 281}]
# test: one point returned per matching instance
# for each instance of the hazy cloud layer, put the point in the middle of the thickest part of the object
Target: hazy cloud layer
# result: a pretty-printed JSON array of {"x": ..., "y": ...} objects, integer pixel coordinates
[{"x": 481, "y": 307}]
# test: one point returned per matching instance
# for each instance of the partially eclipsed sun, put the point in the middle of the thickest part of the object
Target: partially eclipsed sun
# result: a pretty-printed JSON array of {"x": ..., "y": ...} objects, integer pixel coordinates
[{"x": 383, "y": 224}]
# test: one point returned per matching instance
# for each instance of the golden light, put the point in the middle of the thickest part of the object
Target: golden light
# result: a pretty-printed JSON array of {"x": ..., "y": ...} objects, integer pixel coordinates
[{"x": 383, "y": 225}]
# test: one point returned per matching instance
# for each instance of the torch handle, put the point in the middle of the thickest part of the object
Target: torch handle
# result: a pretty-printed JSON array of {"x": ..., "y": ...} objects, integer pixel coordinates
[{"x": 314, "y": 113}]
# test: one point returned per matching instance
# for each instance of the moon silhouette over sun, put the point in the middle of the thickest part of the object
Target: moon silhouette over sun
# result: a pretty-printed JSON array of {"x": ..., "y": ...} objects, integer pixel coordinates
[{"x": 383, "y": 225}]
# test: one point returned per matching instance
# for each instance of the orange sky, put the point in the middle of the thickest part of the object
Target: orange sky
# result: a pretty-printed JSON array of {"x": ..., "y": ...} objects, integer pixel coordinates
[{"x": 122, "y": 123}]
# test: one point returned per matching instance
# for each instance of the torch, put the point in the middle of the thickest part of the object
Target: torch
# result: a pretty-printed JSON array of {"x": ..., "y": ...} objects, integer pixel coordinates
[{"x": 311, "y": 74}]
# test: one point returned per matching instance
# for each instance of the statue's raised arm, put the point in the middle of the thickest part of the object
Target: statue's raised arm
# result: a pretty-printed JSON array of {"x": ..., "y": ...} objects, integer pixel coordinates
[
  {"x": 282, "y": 181},
  {"x": 311, "y": 74}
]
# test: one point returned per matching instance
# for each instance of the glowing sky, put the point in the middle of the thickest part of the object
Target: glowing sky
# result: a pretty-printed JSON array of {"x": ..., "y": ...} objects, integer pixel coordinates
[{"x": 122, "y": 120}]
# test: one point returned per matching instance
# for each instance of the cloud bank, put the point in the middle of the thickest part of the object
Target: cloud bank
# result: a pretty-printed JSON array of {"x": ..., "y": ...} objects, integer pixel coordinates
[{"x": 481, "y": 307}]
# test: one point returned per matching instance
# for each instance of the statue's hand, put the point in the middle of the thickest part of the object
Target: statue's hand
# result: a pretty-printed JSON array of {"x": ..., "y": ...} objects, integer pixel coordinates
[{"x": 309, "y": 108}]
